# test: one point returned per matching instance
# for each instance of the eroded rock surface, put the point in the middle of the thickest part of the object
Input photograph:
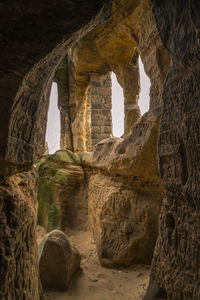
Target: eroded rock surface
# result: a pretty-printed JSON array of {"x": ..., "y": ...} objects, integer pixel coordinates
[
  {"x": 18, "y": 248},
  {"x": 62, "y": 193},
  {"x": 114, "y": 46},
  {"x": 34, "y": 39},
  {"x": 125, "y": 196},
  {"x": 58, "y": 261},
  {"x": 176, "y": 260}
]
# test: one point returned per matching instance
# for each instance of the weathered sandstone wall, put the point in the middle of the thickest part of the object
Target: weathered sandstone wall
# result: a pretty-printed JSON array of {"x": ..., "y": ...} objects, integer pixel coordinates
[
  {"x": 125, "y": 190},
  {"x": 116, "y": 46},
  {"x": 125, "y": 196},
  {"x": 18, "y": 250},
  {"x": 35, "y": 36},
  {"x": 176, "y": 259},
  {"x": 33, "y": 44}
]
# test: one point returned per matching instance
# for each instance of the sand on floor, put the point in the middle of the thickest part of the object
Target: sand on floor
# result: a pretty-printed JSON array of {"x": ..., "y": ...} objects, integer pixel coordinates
[{"x": 94, "y": 282}]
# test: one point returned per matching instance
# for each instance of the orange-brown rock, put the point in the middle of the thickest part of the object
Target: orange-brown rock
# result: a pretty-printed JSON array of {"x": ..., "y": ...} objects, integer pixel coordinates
[
  {"x": 129, "y": 164},
  {"x": 18, "y": 248},
  {"x": 116, "y": 46},
  {"x": 35, "y": 36},
  {"x": 125, "y": 196},
  {"x": 176, "y": 263}
]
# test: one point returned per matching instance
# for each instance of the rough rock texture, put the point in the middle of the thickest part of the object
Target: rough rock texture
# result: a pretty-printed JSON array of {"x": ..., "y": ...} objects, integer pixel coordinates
[
  {"x": 35, "y": 36},
  {"x": 62, "y": 193},
  {"x": 34, "y": 39},
  {"x": 116, "y": 46},
  {"x": 58, "y": 261},
  {"x": 176, "y": 260},
  {"x": 18, "y": 249},
  {"x": 125, "y": 190},
  {"x": 125, "y": 196}
]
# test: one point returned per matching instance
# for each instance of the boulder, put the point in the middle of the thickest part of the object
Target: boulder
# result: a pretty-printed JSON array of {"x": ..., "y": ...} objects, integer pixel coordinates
[{"x": 58, "y": 261}]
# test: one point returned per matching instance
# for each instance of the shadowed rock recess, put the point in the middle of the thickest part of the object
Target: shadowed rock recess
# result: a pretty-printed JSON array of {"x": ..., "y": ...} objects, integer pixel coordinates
[
  {"x": 127, "y": 182},
  {"x": 176, "y": 260},
  {"x": 34, "y": 38}
]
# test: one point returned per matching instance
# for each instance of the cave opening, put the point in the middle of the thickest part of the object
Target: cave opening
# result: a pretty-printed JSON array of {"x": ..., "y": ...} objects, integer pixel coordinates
[
  {"x": 117, "y": 107},
  {"x": 106, "y": 109},
  {"x": 53, "y": 121}
]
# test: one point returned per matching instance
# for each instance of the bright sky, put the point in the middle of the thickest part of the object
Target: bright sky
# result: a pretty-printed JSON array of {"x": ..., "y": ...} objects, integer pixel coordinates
[
  {"x": 118, "y": 100},
  {"x": 53, "y": 123}
]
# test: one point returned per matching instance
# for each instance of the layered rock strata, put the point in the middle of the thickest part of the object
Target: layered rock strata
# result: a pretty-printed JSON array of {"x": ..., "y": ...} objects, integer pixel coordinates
[
  {"x": 176, "y": 261},
  {"x": 35, "y": 36},
  {"x": 18, "y": 250},
  {"x": 125, "y": 196},
  {"x": 116, "y": 46}
]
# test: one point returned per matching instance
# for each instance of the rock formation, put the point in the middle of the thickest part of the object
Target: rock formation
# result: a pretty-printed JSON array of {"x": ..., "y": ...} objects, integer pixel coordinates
[
  {"x": 125, "y": 191},
  {"x": 58, "y": 261},
  {"x": 114, "y": 46},
  {"x": 125, "y": 196},
  {"x": 176, "y": 260},
  {"x": 33, "y": 45},
  {"x": 62, "y": 192},
  {"x": 34, "y": 39},
  {"x": 18, "y": 249}
]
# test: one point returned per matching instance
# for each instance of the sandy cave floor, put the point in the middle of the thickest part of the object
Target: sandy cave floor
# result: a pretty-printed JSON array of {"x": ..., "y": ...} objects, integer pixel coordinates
[{"x": 94, "y": 282}]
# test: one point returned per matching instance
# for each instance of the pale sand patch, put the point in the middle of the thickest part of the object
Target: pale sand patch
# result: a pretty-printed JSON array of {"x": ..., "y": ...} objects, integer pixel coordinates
[{"x": 94, "y": 282}]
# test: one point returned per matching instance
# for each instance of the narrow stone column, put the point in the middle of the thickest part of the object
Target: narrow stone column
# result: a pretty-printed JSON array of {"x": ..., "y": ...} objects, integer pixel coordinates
[
  {"x": 62, "y": 80},
  {"x": 131, "y": 86},
  {"x": 101, "y": 105}
]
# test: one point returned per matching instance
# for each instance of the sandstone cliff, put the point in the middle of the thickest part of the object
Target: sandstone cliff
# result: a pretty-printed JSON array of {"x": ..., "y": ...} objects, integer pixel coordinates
[
  {"x": 176, "y": 259},
  {"x": 125, "y": 196},
  {"x": 18, "y": 248},
  {"x": 35, "y": 36}
]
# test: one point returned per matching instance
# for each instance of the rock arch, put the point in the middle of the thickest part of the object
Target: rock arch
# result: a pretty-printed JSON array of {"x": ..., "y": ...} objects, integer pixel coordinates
[{"x": 27, "y": 67}]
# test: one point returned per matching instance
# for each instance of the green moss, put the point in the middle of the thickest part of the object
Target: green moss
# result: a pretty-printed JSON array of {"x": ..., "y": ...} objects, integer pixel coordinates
[
  {"x": 53, "y": 173},
  {"x": 84, "y": 156},
  {"x": 48, "y": 212}
]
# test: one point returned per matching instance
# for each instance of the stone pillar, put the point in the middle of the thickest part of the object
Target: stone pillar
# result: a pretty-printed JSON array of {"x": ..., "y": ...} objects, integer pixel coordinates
[
  {"x": 101, "y": 105},
  {"x": 131, "y": 87},
  {"x": 128, "y": 77},
  {"x": 62, "y": 79}
]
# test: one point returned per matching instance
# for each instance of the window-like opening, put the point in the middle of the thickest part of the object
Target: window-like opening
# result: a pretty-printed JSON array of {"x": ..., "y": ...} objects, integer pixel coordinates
[
  {"x": 145, "y": 84},
  {"x": 117, "y": 107},
  {"x": 53, "y": 121}
]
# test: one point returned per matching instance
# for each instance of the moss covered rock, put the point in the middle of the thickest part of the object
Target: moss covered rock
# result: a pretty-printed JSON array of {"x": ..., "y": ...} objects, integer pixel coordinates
[{"x": 62, "y": 192}]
